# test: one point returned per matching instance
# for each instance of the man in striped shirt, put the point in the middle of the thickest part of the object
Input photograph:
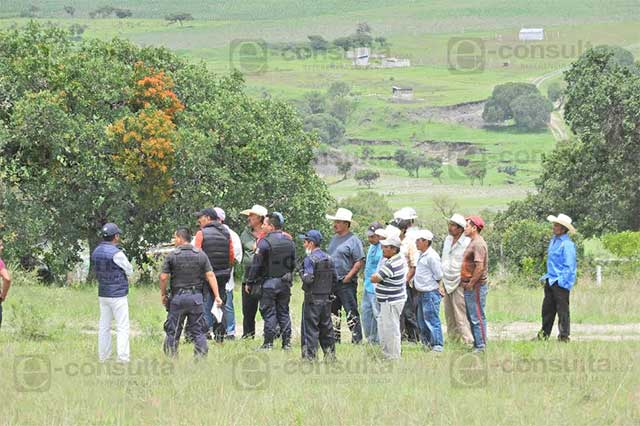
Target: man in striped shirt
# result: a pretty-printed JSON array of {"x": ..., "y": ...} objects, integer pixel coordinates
[{"x": 391, "y": 293}]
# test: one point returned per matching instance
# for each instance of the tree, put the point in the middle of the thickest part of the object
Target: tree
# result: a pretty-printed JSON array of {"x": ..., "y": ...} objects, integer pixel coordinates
[
  {"x": 594, "y": 178},
  {"x": 367, "y": 207},
  {"x": 498, "y": 106},
  {"x": 341, "y": 109},
  {"x": 412, "y": 162},
  {"x": 508, "y": 170},
  {"x": 70, "y": 10},
  {"x": 316, "y": 102},
  {"x": 435, "y": 164},
  {"x": 382, "y": 41},
  {"x": 330, "y": 130},
  {"x": 339, "y": 89},
  {"x": 178, "y": 17},
  {"x": 366, "y": 177},
  {"x": 363, "y": 28},
  {"x": 344, "y": 167},
  {"x": 476, "y": 171},
  {"x": 102, "y": 12},
  {"x": 125, "y": 134},
  {"x": 123, "y": 13},
  {"x": 318, "y": 43},
  {"x": 555, "y": 91},
  {"x": 531, "y": 112},
  {"x": 345, "y": 43}
]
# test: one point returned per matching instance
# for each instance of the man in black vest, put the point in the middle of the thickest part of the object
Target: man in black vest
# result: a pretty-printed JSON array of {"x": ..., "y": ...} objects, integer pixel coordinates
[
  {"x": 318, "y": 278},
  {"x": 186, "y": 266},
  {"x": 272, "y": 269},
  {"x": 214, "y": 240}
]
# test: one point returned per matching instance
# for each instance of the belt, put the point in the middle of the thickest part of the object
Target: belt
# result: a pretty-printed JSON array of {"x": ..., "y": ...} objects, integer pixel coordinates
[{"x": 189, "y": 290}]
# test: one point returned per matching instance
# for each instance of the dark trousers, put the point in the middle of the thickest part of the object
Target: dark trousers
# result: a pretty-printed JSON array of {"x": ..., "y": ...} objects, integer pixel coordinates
[
  {"x": 0, "y": 314},
  {"x": 219, "y": 328},
  {"x": 408, "y": 321},
  {"x": 249, "y": 310},
  {"x": 187, "y": 305},
  {"x": 274, "y": 307},
  {"x": 316, "y": 326},
  {"x": 345, "y": 297},
  {"x": 556, "y": 301}
]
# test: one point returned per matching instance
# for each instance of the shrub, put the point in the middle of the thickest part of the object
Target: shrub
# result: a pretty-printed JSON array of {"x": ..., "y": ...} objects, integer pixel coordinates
[{"x": 623, "y": 244}]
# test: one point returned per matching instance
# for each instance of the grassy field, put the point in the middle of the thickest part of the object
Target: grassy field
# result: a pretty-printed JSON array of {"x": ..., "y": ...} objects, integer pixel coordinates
[{"x": 56, "y": 379}]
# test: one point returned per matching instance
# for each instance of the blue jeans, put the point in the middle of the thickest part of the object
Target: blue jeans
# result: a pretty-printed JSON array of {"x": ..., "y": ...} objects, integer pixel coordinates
[
  {"x": 370, "y": 311},
  {"x": 429, "y": 319},
  {"x": 230, "y": 314},
  {"x": 475, "y": 300}
]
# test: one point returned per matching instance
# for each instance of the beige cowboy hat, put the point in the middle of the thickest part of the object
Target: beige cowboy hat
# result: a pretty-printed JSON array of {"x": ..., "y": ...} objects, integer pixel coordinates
[
  {"x": 342, "y": 215},
  {"x": 563, "y": 220},
  {"x": 257, "y": 209}
]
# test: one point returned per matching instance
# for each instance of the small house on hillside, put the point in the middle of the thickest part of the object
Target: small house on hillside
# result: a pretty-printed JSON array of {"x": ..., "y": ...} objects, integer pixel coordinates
[
  {"x": 361, "y": 56},
  {"x": 531, "y": 34},
  {"x": 395, "y": 63},
  {"x": 398, "y": 92}
]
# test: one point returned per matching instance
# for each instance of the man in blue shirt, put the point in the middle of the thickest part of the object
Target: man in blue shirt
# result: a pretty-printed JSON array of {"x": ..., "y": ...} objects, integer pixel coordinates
[
  {"x": 559, "y": 279},
  {"x": 370, "y": 306}
]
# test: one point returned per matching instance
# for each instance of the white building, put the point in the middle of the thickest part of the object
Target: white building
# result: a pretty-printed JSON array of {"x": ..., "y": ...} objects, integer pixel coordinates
[
  {"x": 395, "y": 63},
  {"x": 531, "y": 34},
  {"x": 402, "y": 92}
]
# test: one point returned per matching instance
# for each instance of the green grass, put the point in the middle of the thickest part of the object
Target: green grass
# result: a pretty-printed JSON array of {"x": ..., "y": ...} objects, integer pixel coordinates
[{"x": 518, "y": 382}]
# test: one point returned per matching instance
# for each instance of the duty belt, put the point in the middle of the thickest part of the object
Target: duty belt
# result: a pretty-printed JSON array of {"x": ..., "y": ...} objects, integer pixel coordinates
[{"x": 189, "y": 290}]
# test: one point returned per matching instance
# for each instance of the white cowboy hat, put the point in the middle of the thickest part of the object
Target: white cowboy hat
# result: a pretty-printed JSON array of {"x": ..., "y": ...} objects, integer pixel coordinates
[
  {"x": 391, "y": 241},
  {"x": 458, "y": 219},
  {"x": 406, "y": 213},
  {"x": 257, "y": 209},
  {"x": 389, "y": 232},
  {"x": 424, "y": 234},
  {"x": 563, "y": 220},
  {"x": 343, "y": 215}
]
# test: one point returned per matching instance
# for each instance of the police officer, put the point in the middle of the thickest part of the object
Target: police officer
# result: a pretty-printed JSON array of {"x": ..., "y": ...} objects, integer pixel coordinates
[
  {"x": 272, "y": 269},
  {"x": 318, "y": 278},
  {"x": 186, "y": 266},
  {"x": 214, "y": 240}
]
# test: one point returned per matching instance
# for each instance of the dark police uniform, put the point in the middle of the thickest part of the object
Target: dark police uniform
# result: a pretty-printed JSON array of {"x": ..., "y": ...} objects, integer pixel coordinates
[
  {"x": 187, "y": 267},
  {"x": 318, "y": 278},
  {"x": 215, "y": 244},
  {"x": 272, "y": 268}
]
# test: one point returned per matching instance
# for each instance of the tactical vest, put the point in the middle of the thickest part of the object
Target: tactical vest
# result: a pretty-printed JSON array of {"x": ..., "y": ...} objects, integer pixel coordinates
[
  {"x": 186, "y": 271},
  {"x": 323, "y": 273},
  {"x": 215, "y": 244},
  {"x": 111, "y": 278},
  {"x": 281, "y": 256}
]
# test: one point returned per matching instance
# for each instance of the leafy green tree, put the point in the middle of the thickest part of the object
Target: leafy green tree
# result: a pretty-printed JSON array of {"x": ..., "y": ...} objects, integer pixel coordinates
[
  {"x": 70, "y": 10},
  {"x": 318, "y": 42},
  {"x": 316, "y": 102},
  {"x": 555, "y": 91},
  {"x": 410, "y": 161},
  {"x": 345, "y": 43},
  {"x": 435, "y": 164},
  {"x": 344, "y": 167},
  {"x": 476, "y": 171},
  {"x": 367, "y": 177},
  {"x": 330, "y": 130},
  {"x": 114, "y": 132},
  {"x": 498, "y": 106},
  {"x": 531, "y": 112},
  {"x": 339, "y": 89},
  {"x": 367, "y": 207},
  {"x": 178, "y": 17},
  {"x": 594, "y": 178}
]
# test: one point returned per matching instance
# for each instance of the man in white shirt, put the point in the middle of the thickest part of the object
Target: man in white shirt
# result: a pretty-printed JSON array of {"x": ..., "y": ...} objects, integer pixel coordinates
[
  {"x": 112, "y": 269},
  {"x": 455, "y": 310},
  {"x": 427, "y": 284}
]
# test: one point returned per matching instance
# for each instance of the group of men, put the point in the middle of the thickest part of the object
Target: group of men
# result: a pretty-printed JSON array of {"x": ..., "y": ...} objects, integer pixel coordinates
[{"x": 405, "y": 281}]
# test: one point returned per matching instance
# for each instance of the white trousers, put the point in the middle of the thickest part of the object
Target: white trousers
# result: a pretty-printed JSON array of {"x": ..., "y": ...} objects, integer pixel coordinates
[
  {"x": 113, "y": 308},
  {"x": 389, "y": 328}
]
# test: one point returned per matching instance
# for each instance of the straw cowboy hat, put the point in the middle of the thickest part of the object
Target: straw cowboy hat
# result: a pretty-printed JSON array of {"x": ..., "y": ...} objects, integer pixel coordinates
[
  {"x": 563, "y": 220},
  {"x": 257, "y": 209},
  {"x": 342, "y": 215}
]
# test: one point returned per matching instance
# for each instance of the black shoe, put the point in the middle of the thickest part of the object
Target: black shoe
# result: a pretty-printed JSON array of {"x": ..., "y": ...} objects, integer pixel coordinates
[
  {"x": 564, "y": 339},
  {"x": 209, "y": 335},
  {"x": 265, "y": 347},
  {"x": 229, "y": 337},
  {"x": 286, "y": 346}
]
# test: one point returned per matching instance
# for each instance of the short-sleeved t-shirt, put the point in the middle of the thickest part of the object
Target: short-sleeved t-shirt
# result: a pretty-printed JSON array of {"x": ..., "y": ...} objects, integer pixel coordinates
[
  {"x": 345, "y": 251},
  {"x": 477, "y": 251}
]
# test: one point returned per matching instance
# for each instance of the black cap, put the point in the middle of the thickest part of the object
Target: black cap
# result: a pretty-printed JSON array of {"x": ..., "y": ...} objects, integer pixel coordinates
[
  {"x": 110, "y": 229},
  {"x": 207, "y": 212},
  {"x": 371, "y": 230}
]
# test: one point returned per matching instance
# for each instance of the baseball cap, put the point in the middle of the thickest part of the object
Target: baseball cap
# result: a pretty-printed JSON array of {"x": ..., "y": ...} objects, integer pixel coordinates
[
  {"x": 279, "y": 216},
  {"x": 221, "y": 214},
  {"x": 207, "y": 212},
  {"x": 477, "y": 221},
  {"x": 110, "y": 229},
  {"x": 371, "y": 230},
  {"x": 312, "y": 235}
]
